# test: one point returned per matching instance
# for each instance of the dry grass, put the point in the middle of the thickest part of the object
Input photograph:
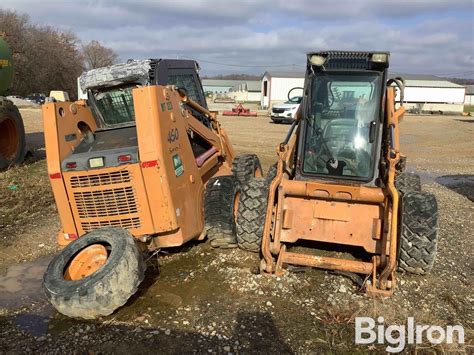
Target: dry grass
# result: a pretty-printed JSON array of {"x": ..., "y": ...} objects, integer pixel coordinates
[{"x": 25, "y": 194}]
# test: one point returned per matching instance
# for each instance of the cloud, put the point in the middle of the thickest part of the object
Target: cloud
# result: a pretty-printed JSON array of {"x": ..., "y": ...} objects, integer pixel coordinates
[{"x": 424, "y": 36}]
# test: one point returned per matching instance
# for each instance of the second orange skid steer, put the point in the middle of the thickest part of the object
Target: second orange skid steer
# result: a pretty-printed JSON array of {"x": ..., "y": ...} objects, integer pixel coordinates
[
  {"x": 141, "y": 165},
  {"x": 340, "y": 183}
]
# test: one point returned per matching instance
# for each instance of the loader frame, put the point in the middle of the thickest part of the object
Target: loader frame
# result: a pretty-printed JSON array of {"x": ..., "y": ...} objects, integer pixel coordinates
[{"x": 340, "y": 210}]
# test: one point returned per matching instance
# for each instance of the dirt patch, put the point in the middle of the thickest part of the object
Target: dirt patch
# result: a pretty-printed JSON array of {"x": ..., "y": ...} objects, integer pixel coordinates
[{"x": 205, "y": 300}]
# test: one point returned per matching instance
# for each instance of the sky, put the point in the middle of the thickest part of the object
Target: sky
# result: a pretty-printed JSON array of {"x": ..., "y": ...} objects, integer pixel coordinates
[{"x": 423, "y": 36}]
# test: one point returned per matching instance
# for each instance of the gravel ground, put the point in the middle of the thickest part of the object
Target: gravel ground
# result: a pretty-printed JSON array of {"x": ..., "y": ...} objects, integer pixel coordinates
[{"x": 202, "y": 300}]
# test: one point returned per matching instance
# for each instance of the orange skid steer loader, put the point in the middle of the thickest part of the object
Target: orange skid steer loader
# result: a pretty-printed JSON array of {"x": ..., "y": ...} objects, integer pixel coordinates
[
  {"x": 142, "y": 164},
  {"x": 340, "y": 180}
]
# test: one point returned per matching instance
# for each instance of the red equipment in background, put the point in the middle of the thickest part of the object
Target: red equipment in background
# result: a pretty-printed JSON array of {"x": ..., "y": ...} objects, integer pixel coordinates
[{"x": 239, "y": 110}]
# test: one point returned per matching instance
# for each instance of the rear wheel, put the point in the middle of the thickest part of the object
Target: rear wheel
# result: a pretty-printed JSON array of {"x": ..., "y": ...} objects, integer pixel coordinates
[
  {"x": 220, "y": 204},
  {"x": 12, "y": 135},
  {"x": 251, "y": 214},
  {"x": 246, "y": 166},
  {"x": 406, "y": 182},
  {"x": 95, "y": 274},
  {"x": 418, "y": 234}
]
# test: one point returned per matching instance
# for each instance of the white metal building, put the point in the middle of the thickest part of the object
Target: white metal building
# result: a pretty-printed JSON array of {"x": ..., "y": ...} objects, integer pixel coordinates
[
  {"x": 219, "y": 86},
  {"x": 423, "y": 93},
  {"x": 469, "y": 98},
  {"x": 429, "y": 93},
  {"x": 247, "y": 91},
  {"x": 276, "y": 85}
]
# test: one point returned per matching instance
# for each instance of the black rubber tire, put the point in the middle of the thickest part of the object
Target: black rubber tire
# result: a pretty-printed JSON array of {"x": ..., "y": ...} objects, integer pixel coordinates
[
  {"x": 401, "y": 165},
  {"x": 272, "y": 171},
  {"x": 246, "y": 166},
  {"x": 251, "y": 214},
  {"x": 418, "y": 234},
  {"x": 102, "y": 292},
  {"x": 219, "y": 211},
  {"x": 406, "y": 182},
  {"x": 8, "y": 111}
]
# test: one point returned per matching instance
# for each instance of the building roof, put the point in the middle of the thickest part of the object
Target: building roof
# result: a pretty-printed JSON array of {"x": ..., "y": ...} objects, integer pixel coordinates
[
  {"x": 285, "y": 74},
  {"x": 250, "y": 86},
  {"x": 253, "y": 85},
  {"x": 425, "y": 80},
  {"x": 469, "y": 89},
  {"x": 221, "y": 82},
  {"x": 411, "y": 80}
]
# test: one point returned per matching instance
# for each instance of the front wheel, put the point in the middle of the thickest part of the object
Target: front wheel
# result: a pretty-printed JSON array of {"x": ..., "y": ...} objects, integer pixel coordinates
[
  {"x": 246, "y": 166},
  {"x": 220, "y": 207},
  {"x": 418, "y": 234},
  {"x": 252, "y": 210},
  {"x": 95, "y": 274},
  {"x": 406, "y": 182}
]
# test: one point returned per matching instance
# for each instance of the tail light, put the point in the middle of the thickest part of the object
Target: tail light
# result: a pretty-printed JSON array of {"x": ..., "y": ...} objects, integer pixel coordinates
[
  {"x": 124, "y": 158},
  {"x": 71, "y": 165},
  {"x": 70, "y": 236}
]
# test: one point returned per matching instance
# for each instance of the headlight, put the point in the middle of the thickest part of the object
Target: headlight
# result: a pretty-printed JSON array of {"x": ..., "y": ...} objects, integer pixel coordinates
[
  {"x": 317, "y": 60},
  {"x": 380, "y": 57}
]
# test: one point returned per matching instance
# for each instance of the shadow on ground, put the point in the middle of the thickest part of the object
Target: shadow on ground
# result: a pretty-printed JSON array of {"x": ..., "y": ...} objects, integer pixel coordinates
[
  {"x": 467, "y": 121},
  {"x": 462, "y": 184},
  {"x": 123, "y": 339}
]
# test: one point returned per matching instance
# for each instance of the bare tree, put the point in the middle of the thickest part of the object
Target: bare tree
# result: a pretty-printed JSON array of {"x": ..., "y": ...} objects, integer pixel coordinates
[
  {"x": 97, "y": 56},
  {"x": 44, "y": 58}
]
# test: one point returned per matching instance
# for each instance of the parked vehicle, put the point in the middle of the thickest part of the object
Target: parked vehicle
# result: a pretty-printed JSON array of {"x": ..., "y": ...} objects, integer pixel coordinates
[
  {"x": 37, "y": 98},
  {"x": 12, "y": 131},
  {"x": 286, "y": 112}
]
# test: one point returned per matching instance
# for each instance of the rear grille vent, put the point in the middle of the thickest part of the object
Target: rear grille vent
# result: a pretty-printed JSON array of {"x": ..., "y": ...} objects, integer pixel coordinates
[
  {"x": 126, "y": 223},
  {"x": 115, "y": 177},
  {"x": 106, "y": 203}
]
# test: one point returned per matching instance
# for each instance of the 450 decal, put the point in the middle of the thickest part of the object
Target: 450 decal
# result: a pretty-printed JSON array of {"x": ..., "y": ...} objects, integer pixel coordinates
[{"x": 173, "y": 135}]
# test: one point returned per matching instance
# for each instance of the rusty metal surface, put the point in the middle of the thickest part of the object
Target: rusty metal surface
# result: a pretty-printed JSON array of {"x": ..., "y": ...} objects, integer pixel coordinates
[
  {"x": 332, "y": 222},
  {"x": 329, "y": 263}
]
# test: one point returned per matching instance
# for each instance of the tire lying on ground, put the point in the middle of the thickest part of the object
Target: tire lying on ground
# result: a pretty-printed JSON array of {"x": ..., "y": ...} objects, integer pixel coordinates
[
  {"x": 220, "y": 203},
  {"x": 12, "y": 135},
  {"x": 76, "y": 292},
  {"x": 418, "y": 232},
  {"x": 251, "y": 214},
  {"x": 405, "y": 182},
  {"x": 246, "y": 166}
]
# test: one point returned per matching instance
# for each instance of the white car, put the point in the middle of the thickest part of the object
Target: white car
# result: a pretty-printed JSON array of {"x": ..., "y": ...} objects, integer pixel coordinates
[{"x": 286, "y": 111}]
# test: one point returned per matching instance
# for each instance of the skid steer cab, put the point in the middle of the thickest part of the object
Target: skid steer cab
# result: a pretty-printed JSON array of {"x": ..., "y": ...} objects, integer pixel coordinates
[
  {"x": 141, "y": 165},
  {"x": 339, "y": 183}
]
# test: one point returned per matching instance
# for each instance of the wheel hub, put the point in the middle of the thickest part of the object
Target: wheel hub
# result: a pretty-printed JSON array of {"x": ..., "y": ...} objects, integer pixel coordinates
[{"x": 88, "y": 261}]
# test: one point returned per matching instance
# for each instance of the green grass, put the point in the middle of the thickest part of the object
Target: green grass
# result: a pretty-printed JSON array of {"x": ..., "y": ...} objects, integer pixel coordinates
[{"x": 468, "y": 108}]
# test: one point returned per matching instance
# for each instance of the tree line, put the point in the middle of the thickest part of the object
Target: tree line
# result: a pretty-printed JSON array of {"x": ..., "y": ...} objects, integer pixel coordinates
[{"x": 45, "y": 58}]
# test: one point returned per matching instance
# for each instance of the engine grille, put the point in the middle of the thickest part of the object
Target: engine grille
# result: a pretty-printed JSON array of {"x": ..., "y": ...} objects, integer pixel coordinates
[
  {"x": 116, "y": 177},
  {"x": 106, "y": 203},
  {"x": 106, "y": 200},
  {"x": 126, "y": 223},
  {"x": 278, "y": 110}
]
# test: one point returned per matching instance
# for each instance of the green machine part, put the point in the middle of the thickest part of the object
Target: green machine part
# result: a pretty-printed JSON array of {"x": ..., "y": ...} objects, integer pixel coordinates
[{"x": 6, "y": 67}]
